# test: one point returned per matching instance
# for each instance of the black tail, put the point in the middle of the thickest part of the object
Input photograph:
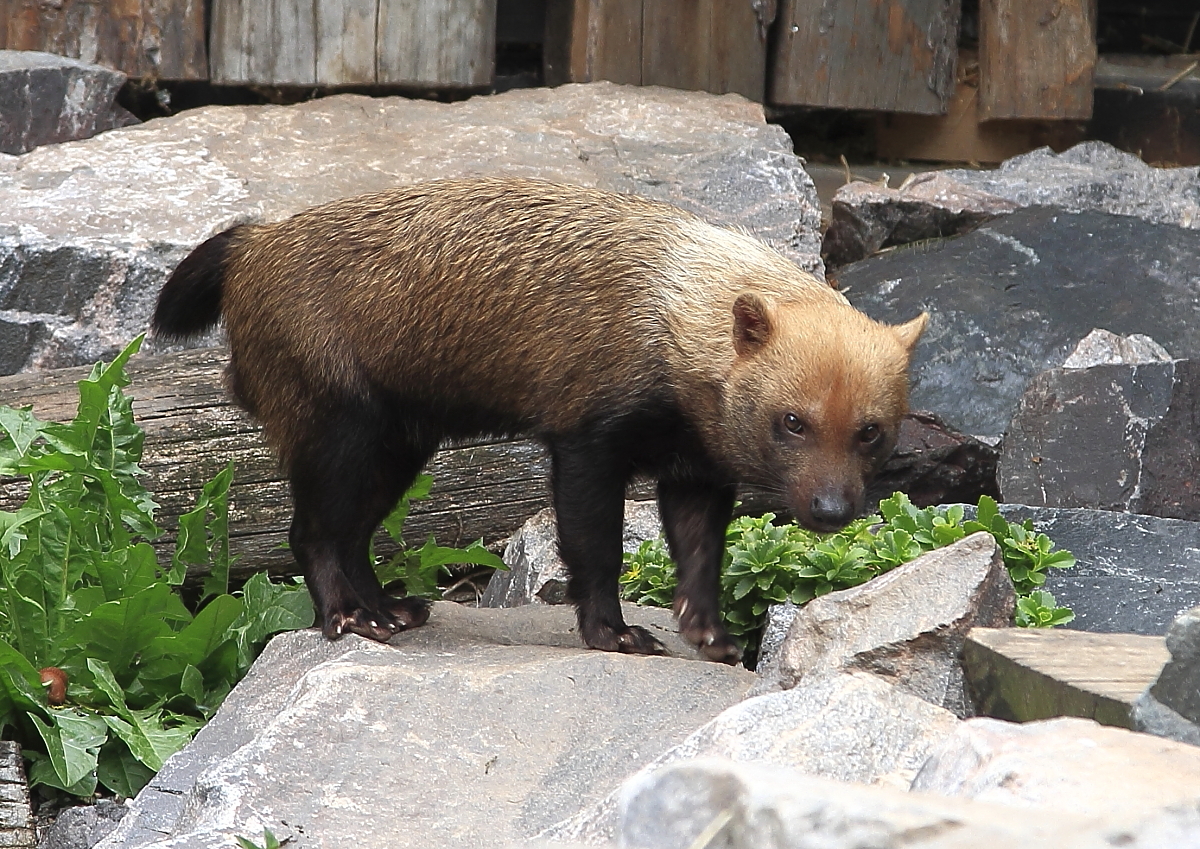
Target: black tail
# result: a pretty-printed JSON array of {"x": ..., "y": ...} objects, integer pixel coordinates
[{"x": 190, "y": 302}]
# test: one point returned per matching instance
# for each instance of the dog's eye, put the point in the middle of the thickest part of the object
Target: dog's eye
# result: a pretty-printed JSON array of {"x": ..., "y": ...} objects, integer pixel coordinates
[
  {"x": 870, "y": 434},
  {"x": 792, "y": 423}
]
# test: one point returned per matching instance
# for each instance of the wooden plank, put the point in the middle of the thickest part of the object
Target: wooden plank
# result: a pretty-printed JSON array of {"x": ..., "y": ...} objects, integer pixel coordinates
[
  {"x": 162, "y": 39},
  {"x": 1026, "y": 674},
  {"x": 704, "y": 45},
  {"x": 436, "y": 42},
  {"x": 697, "y": 45},
  {"x": 894, "y": 55},
  {"x": 264, "y": 42},
  {"x": 960, "y": 135},
  {"x": 1037, "y": 58},
  {"x": 345, "y": 42}
]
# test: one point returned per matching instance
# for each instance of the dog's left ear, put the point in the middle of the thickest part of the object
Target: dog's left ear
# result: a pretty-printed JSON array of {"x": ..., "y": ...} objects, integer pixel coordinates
[{"x": 910, "y": 332}]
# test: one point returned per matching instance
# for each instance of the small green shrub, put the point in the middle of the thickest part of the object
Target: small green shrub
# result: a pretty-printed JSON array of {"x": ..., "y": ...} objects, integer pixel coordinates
[
  {"x": 81, "y": 590},
  {"x": 417, "y": 569},
  {"x": 767, "y": 564},
  {"x": 270, "y": 841}
]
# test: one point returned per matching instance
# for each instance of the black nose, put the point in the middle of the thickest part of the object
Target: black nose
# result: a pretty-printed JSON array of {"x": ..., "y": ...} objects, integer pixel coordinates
[{"x": 831, "y": 512}]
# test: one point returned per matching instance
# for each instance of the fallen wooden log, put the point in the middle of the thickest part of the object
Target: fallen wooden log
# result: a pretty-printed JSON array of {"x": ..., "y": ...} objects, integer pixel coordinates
[
  {"x": 485, "y": 489},
  {"x": 481, "y": 490}
]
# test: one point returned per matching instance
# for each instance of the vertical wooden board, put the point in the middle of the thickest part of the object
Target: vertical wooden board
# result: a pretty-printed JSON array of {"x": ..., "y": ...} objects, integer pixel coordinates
[
  {"x": 705, "y": 45},
  {"x": 676, "y": 43},
  {"x": 142, "y": 38},
  {"x": 345, "y": 36},
  {"x": 614, "y": 41},
  {"x": 738, "y": 49},
  {"x": 895, "y": 55},
  {"x": 589, "y": 40},
  {"x": 182, "y": 50},
  {"x": 1037, "y": 58},
  {"x": 264, "y": 42},
  {"x": 436, "y": 42}
]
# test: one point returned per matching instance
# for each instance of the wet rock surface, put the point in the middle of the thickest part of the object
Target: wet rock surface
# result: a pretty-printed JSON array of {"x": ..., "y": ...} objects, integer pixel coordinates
[{"x": 1016, "y": 296}]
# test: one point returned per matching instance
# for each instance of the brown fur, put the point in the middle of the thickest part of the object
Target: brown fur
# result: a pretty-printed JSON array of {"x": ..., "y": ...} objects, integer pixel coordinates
[{"x": 505, "y": 305}]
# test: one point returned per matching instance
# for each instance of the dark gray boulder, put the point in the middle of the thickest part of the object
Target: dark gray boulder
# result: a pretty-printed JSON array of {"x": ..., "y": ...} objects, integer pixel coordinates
[
  {"x": 82, "y": 826},
  {"x": 1015, "y": 297},
  {"x": 1133, "y": 574},
  {"x": 1110, "y": 437},
  {"x": 45, "y": 99},
  {"x": 1170, "y": 707}
]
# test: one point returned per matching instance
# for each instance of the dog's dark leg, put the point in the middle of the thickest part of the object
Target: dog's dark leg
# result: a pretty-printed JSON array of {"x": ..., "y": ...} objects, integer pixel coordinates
[
  {"x": 345, "y": 478},
  {"x": 695, "y": 515},
  {"x": 589, "y": 501}
]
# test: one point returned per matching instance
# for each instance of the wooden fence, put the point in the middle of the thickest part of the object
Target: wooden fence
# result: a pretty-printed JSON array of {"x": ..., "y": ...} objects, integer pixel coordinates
[{"x": 1036, "y": 58}]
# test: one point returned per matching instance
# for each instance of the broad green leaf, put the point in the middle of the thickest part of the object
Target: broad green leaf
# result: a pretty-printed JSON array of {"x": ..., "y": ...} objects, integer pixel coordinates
[
  {"x": 119, "y": 771},
  {"x": 22, "y": 427},
  {"x": 121, "y": 630},
  {"x": 72, "y": 741},
  {"x": 20, "y": 684},
  {"x": 12, "y": 528},
  {"x": 148, "y": 739}
]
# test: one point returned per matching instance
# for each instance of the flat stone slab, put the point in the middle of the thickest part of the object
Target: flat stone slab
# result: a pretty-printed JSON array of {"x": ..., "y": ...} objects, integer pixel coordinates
[
  {"x": 1025, "y": 674},
  {"x": 716, "y": 803},
  {"x": 1014, "y": 297},
  {"x": 1133, "y": 574},
  {"x": 92, "y": 229},
  {"x": 1068, "y": 763},
  {"x": 479, "y": 729}
]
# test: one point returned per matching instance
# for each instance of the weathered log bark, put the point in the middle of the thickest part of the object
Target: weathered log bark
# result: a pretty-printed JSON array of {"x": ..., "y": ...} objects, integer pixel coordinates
[
  {"x": 193, "y": 429},
  {"x": 484, "y": 489}
]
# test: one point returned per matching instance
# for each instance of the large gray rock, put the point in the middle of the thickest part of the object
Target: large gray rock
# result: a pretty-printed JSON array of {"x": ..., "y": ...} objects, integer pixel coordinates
[
  {"x": 1110, "y": 437},
  {"x": 906, "y": 626},
  {"x": 743, "y": 806},
  {"x": 1069, "y": 763},
  {"x": 478, "y": 729},
  {"x": 46, "y": 99},
  {"x": 848, "y": 727},
  {"x": 1133, "y": 574},
  {"x": 1015, "y": 297},
  {"x": 1092, "y": 176},
  {"x": 91, "y": 229},
  {"x": 537, "y": 575}
]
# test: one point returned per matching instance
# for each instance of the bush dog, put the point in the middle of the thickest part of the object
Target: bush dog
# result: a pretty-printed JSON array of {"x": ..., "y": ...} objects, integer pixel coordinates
[{"x": 627, "y": 335}]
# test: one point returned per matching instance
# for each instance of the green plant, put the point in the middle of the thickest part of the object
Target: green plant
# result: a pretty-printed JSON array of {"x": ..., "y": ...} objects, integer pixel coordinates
[
  {"x": 766, "y": 563},
  {"x": 81, "y": 590},
  {"x": 418, "y": 569},
  {"x": 270, "y": 841}
]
